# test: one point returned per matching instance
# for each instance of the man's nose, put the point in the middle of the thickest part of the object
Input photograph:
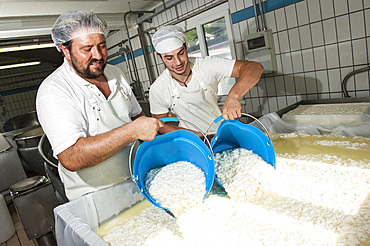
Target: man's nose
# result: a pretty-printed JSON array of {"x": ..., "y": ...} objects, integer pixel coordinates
[
  {"x": 177, "y": 60},
  {"x": 96, "y": 53}
]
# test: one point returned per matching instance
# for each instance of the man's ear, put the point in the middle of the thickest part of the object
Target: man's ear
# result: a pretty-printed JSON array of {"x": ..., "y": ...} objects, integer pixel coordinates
[
  {"x": 159, "y": 56},
  {"x": 65, "y": 51}
]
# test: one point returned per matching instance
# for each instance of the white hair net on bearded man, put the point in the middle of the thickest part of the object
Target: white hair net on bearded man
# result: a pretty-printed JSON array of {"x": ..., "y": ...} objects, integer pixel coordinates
[{"x": 76, "y": 23}]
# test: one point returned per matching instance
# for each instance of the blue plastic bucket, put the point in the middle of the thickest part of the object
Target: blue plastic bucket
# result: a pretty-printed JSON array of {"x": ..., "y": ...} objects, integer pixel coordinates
[
  {"x": 234, "y": 134},
  {"x": 180, "y": 145}
]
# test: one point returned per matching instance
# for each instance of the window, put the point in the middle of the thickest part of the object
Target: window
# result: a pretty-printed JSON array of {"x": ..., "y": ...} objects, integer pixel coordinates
[
  {"x": 216, "y": 37},
  {"x": 193, "y": 43}
]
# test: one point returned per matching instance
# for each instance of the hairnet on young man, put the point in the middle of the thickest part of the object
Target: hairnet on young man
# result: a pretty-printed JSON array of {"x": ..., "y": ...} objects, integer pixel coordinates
[
  {"x": 168, "y": 38},
  {"x": 76, "y": 23}
]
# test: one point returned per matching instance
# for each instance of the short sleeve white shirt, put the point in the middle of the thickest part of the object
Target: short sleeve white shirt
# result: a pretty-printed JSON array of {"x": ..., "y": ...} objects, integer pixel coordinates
[
  {"x": 64, "y": 110},
  {"x": 211, "y": 69}
]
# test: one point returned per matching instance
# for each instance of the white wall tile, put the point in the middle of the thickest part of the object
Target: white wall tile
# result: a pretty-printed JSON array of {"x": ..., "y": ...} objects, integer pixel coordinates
[
  {"x": 302, "y": 13},
  {"x": 308, "y": 61},
  {"x": 327, "y": 8},
  {"x": 362, "y": 81},
  {"x": 368, "y": 53},
  {"x": 357, "y": 25},
  {"x": 253, "y": 92},
  {"x": 334, "y": 80},
  {"x": 239, "y": 5},
  {"x": 243, "y": 27},
  {"x": 322, "y": 81},
  {"x": 232, "y": 6},
  {"x": 289, "y": 85},
  {"x": 343, "y": 30},
  {"x": 305, "y": 36},
  {"x": 367, "y": 19},
  {"x": 278, "y": 63},
  {"x": 345, "y": 54},
  {"x": 311, "y": 82},
  {"x": 297, "y": 62},
  {"x": 291, "y": 16},
  {"x": 314, "y": 12},
  {"x": 276, "y": 43},
  {"x": 317, "y": 34},
  {"x": 282, "y": 103},
  {"x": 286, "y": 61},
  {"x": 359, "y": 46},
  {"x": 270, "y": 86},
  {"x": 251, "y": 24},
  {"x": 280, "y": 19},
  {"x": 330, "y": 34},
  {"x": 261, "y": 87},
  {"x": 247, "y": 3},
  {"x": 367, "y": 4},
  {"x": 270, "y": 21},
  {"x": 239, "y": 51},
  {"x": 355, "y": 5},
  {"x": 332, "y": 55},
  {"x": 340, "y": 7},
  {"x": 350, "y": 82},
  {"x": 195, "y": 4},
  {"x": 236, "y": 33},
  {"x": 273, "y": 104},
  {"x": 320, "y": 58},
  {"x": 291, "y": 99},
  {"x": 283, "y": 41},
  {"x": 279, "y": 86},
  {"x": 294, "y": 39},
  {"x": 300, "y": 84}
]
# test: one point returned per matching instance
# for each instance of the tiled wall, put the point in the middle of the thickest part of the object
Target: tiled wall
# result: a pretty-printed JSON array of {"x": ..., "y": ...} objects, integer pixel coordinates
[
  {"x": 317, "y": 43},
  {"x": 18, "y": 88}
]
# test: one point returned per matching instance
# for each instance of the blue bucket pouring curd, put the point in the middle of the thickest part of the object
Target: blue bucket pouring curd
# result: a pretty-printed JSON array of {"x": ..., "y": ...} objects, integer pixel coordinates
[
  {"x": 233, "y": 134},
  {"x": 180, "y": 145}
]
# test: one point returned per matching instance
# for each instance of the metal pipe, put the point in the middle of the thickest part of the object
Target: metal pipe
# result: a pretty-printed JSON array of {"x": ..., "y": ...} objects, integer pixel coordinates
[
  {"x": 141, "y": 95},
  {"x": 256, "y": 16},
  {"x": 124, "y": 53},
  {"x": 263, "y": 21},
  {"x": 345, "y": 80},
  {"x": 145, "y": 53}
]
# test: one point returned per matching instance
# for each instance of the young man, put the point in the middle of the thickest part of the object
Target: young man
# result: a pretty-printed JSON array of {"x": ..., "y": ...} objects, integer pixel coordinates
[
  {"x": 87, "y": 109},
  {"x": 188, "y": 87}
]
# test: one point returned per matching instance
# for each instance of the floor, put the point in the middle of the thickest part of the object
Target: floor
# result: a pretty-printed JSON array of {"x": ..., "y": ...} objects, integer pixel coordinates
[{"x": 19, "y": 238}]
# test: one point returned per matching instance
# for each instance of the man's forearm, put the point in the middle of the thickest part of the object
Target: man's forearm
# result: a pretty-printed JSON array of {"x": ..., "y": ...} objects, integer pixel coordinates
[{"x": 90, "y": 151}]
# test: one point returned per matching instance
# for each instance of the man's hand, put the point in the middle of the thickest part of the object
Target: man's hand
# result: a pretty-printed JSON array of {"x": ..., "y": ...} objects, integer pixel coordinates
[
  {"x": 146, "y": 128},
  {"x": 231, "y": 109}
]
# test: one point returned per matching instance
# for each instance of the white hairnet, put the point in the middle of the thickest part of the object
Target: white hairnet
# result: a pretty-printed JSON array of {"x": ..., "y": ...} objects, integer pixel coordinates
[
  {"x": 168, "y": 38},
  {"x": 75, "y": 23}
]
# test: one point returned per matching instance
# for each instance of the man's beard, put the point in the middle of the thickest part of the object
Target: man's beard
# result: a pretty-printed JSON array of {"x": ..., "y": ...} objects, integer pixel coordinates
[{"x": 85, "y": 71}]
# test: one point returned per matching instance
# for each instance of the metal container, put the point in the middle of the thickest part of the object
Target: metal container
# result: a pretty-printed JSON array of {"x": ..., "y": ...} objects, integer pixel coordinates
[
  {"x": 27, "y": 143},
  {"x": 21, "y": 121},
  {"x": 34, "y": 201}
]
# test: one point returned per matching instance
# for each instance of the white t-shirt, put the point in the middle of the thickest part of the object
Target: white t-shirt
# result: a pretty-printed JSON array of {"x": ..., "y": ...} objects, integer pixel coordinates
[
  {"x": 63, "y": 109},
  {"x": 211, "y": 69}
]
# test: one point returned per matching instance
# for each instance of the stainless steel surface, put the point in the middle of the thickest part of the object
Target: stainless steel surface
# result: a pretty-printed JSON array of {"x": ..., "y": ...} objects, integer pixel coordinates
[
  {"x": 27, "y": 184},
  {"x": 35, "y": 206},
  {"x": 322, "y": 101},
  {"x": 11, "y": 169},
  {"x": 27, "y": 144},
  {"x": 345, "y": 80},
  {"x": 51, "y": 168},
  {"x": 21, "y": 121}
]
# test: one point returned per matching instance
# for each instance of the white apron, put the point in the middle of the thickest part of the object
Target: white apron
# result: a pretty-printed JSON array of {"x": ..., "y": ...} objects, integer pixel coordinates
[
  {"x": 109, "y": 115},
  {"x": 198, "y": 107}
]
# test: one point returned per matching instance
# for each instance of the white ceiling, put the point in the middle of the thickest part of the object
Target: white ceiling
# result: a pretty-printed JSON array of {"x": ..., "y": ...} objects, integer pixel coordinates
[{"x": 32, "y": 18}]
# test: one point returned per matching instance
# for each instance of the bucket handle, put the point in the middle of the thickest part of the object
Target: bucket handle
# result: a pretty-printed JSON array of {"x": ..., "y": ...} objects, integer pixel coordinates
[
  {"x": 219, "y": 118},
  {"x": 137, "y": 142}
]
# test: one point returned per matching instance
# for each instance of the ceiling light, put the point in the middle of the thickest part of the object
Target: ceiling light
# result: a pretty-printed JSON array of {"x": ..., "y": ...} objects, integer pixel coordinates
[
  {"x": 27, "y": 47},
  {"x": 24, "y": 64}
]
